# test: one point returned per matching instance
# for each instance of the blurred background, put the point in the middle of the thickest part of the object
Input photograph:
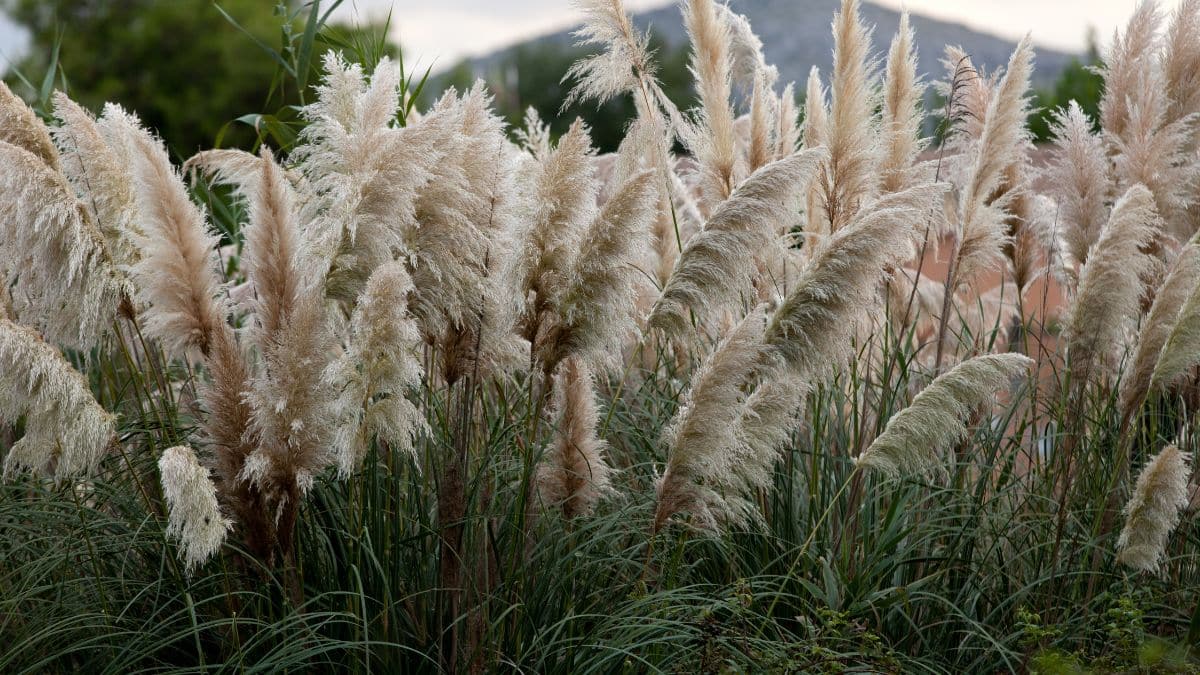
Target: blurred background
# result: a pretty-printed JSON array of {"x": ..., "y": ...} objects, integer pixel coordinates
[{"x": 231, "y": 72}]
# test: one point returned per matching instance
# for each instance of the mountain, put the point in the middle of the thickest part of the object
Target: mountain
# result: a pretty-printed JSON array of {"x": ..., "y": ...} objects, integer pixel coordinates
[{"x": 796, "y": 35}]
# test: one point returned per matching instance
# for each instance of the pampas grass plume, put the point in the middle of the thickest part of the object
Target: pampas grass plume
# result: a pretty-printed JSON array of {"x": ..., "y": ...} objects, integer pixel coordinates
[
  {"x": 1153, "y": 509},
  {"x": 915, "y": 437},
  {"x": 194, "y": 516}
]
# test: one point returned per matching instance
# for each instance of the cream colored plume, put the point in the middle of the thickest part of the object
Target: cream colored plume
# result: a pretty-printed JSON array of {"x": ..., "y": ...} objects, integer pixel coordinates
[
  {"x": 915, "y": 438},
  {"x": 1169, "y": 300},
  {"x": 623, "y": 65},
  {"x": 717, "y": 265},
  {"x": 703, "y": 434},
  {"x": 1153, "y": 510},
  {"x": 848, "y": 180},
  {"x": 1078, "y": 177},
  {"x": 596, "y": 314},
  {"x": 363, "y": 172},
  {"x": 376, "y": 372},
  {"x": 1107, "y": 304},
  {"x": 97, "y": 166},
  {"x": 903, "y": 110},
  {"x": 20, "y": 126},
  {"x": 748, "y": 66},
  {"x": 66, "y": 430},
  {"x": 1003, "y": 140},
  {"x": 1129, "y": 65},
  {"x": 574, "y": 473},
  {"x": 1181, "y": 350},
  {"x": 194, "y": 517},
  {"x": 176, "y": 277},
  {"x": 711, "y": 136},
  {"x": 811, "y": 330},
  {"x": 1181, "y": 61},
  {"x": 53, "y": 257}
]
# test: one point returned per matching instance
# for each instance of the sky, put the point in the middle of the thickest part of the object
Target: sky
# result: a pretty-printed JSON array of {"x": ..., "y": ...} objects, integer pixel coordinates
[{"x": 440, "y": 32}]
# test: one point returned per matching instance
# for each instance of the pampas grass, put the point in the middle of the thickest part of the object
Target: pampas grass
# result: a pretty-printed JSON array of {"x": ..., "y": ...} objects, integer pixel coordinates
[
  {"x": 194, "y": 516},
  {"x": 20, "y": 126},
  {"x": 59, "y": 271},
  {"x": 1110, "y": 288},
  {"x": 66, "y": 430},
  {"x": 1153, "y": 510},
  {"x": 717, "y": 265},
  {"x": 915, "y": 438},
  {"x": 574, "y": 473}
]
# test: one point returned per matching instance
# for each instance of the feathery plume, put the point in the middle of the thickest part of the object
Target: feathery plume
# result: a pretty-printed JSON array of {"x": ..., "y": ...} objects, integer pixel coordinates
[
  {"x": 1128, "y": 66},
  {"x": 1078, "y": 177},
  {"x": 193, "y": 515},
  {"x": 66, "y": 430},
  {"x": 378, "y": 368},
  {"x": 574, "y": 474},
  {"x": 811, "y": 330},
  {"x": 1153, "y": 509},
  {"x": 54, "y": 259},
  {"x": 816, "y": 114},
  {"x": 623, "y": 66},
  {"x": 1180, "y": 285},
  {"x": 704, "y": 431},
  {"x": 787, "y": 135},
  {"x": 565, "y": 198},
  {"x": 177, "y": 274},
  {"x": 99, "y": 171},
  {"x": 847, "y": 180},
  {"x": 748, "y": 65},
  {"x": 364, "y": 174},
  {"x": 20, "y": 126},
  {"x": 596, "y": 314},
  {"x": 902, "y": 111},
  {"x": 915, "y": 437},
  {"x": 1110, "y": 287},
  {"x": 761, "y": 149},
  {"x": 711, "y": 135},
  {"x": 1182, "y": 348},
  {"x": 717, "y": 264},
  {"x": 984, "y": 235},
  {"x": 1181, "y": 61}
]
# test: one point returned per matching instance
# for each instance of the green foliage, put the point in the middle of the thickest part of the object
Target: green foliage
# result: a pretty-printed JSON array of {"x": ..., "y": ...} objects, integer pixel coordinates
[
  {"x": 1079, "y": 82},
  {"x": 181, "y": 65}
]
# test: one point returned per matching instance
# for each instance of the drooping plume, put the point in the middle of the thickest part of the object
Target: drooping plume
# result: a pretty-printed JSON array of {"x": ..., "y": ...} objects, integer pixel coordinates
[
  {"x": 915, "y": 438},
  {"x": 1110, "y": 287},
  {"x": 1169, "y": 300},
  {"x": 574, "y": 473},
  {"x": 20, "y": 126},
  {"x": 596, "y": 314},
  {"x": 66, "y": 430},
  {"x": 1153, "y": 510},
  {"x": 194, "y": 516},
  {"x": 376, "y": 371},
  {"x": 717, "y": 265},
  {"x": 703, "y": 435},
  {"x": 811, "y": 330},
  {"x": 52, "y": 257}
]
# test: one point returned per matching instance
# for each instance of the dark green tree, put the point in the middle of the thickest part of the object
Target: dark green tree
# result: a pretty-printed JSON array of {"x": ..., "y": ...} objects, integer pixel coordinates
[{"x": 182, "y": 65}]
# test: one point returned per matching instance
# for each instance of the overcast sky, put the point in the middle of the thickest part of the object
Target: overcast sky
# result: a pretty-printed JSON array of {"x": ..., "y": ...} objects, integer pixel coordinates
[{"x": 442, "y": 31}]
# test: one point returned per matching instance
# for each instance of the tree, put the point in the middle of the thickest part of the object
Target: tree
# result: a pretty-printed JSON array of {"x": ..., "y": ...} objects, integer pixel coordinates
[{"x": 184, "y": 67}]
